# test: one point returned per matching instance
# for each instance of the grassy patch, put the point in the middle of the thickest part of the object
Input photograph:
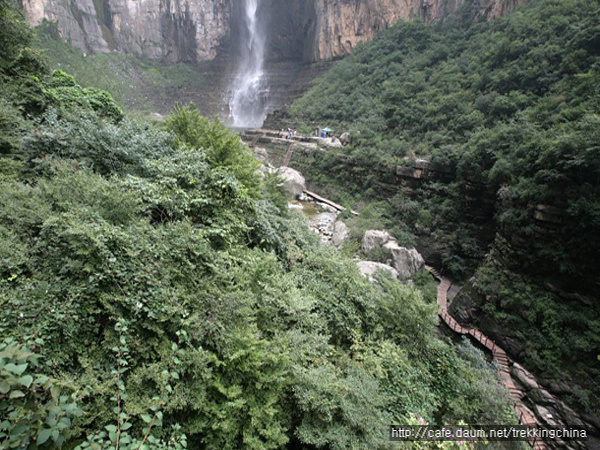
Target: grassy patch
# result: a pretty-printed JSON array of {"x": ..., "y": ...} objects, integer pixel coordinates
[{"x": 142, "y": 86}]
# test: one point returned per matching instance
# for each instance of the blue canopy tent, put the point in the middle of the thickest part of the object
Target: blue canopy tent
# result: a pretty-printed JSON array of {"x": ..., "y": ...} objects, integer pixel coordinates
[{"x": 325, "y": 132}]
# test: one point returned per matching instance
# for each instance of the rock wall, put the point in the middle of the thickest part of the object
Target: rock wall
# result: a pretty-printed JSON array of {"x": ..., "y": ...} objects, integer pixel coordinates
[
  {"x": 193, "y": 30},
  {"x": 165, "y": 30},
  {"x": 341, "y": 24}
]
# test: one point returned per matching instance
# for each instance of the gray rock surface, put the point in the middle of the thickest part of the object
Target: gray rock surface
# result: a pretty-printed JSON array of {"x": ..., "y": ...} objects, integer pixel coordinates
[
  {"x": 342, "y": 24},
  {"x": 191, "y": 30},
  {"x": 81, "y": 29},
  {"x": 323, "y": 223},
  {"x": 294, "y": 182},
  {"x": 345, "y": 138},
  {"x": 261, "y": 154},
  {"x": 172, "y": 31},
  {"x": 368, "y": 269},
  {"x": 548, "y": 408},
  {"x": 329, "y": 142},
  {"x": 340, "y": 233},
  {"x": 524, "y": 377},
  {"x": 374, "y": 239},
  {"x": 406, "y": 261},
  {"x": 545, "y": 415}
]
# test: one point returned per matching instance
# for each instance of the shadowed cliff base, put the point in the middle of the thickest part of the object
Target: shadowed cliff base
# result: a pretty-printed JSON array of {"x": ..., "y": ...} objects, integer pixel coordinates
[{"x": 145, "y": 87}]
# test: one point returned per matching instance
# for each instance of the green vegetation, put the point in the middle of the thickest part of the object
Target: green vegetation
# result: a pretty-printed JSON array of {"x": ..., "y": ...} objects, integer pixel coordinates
[
  {"x": 34, "y": 415},
  {"x": 506, "y": 113},
  {"x": 141, "y": 85},
  {"x": 157, "y": 293},
  {"x": 511, "y": 103},
  {"x": 538, "y": 316}
]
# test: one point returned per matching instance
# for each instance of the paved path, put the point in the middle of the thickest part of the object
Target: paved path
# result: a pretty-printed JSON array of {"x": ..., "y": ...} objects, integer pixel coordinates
[{"x": 500, "y": 356}]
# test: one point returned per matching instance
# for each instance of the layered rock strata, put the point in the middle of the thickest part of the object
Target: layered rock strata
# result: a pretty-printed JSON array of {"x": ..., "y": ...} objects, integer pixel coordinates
[
  {"x": 342, "y": 24},
  {"x": 166, "y": 30},
  {"x": 193, "y": 30}
]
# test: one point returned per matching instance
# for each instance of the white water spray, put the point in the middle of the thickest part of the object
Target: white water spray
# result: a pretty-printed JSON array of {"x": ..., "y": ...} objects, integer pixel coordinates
[{"x": 247, "y": 104}]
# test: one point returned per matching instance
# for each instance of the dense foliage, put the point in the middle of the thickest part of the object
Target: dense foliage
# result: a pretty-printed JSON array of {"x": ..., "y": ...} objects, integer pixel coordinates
[
  {"x": 507, "y": 114},
  {"x": 510, "y": 103},
  {"x": 157, "y": 293}
]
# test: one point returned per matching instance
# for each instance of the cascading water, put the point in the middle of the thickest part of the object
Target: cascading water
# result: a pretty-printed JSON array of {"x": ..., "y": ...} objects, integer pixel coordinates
[{"x": 249, "y": 93}]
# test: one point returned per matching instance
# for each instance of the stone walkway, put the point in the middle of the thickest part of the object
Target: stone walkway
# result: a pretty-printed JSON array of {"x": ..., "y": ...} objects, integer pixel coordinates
[{"x": 499, "y": 355}]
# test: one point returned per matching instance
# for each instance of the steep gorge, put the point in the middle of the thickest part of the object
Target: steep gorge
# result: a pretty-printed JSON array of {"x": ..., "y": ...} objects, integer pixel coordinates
[
  {"x": 478, "y": 196},
  {"x": 478, "y": 145}
]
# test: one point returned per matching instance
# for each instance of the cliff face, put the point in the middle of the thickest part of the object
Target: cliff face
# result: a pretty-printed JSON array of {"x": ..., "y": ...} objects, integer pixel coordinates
[
  {"x": 341, "y": 24},
  {"x": 192, "y": 30},
  {"x": 166, "y": 30}
]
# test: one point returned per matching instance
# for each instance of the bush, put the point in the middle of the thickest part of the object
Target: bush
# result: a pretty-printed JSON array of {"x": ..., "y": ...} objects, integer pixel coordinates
[
  {"x": 507, "y": 113},
  {"x": 180, "y": 299},
  {"x": 223, "y": 148},
  {"x": 14, "y": 34},
  {"x": 34, "y": 414},
  {"x": 66, "y": 93}
]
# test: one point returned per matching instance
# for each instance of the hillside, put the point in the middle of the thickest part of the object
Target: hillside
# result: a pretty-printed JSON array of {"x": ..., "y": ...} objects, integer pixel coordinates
[
  {"x": 157, "y": 293},
  {"x": 143, "y": 87},
  {"x": 479, "y": 143}
]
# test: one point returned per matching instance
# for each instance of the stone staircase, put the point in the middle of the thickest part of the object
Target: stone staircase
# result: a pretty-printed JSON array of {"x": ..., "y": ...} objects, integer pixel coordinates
[
  {"x": 288, "y": 156},
  {"x": 499, "y": 355}
]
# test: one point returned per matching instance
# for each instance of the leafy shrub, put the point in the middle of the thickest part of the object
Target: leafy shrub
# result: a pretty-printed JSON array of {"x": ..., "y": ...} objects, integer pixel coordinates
[
  {"x": 507, "y": 113},
  {"x": 12, "y": 127},
  {"x": 64, "y": 91},
  {"x": 33, "y": 414},
  {"x": 106, "y": 147},
  {"x": 379, "y": 254},
  {"x": 14, "y": 34},
  {"x": 223, "y": 148},
  {"x": 339, "y": 410}
]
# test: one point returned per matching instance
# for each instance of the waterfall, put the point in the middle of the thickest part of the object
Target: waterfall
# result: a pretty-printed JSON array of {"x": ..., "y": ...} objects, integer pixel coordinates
[{"x": 249, "y": 92}]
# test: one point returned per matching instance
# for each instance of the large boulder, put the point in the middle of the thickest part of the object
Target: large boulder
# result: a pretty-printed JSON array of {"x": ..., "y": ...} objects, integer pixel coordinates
[
  {"x": 293, "y": 181},
  {"x": 374, "y": 239},
  {"x": 345, "y": 138},
  {"x": 340, "y": 233},
  {"x": 406, "y": 261},
  {"x": 261, "y": 155},
  {"x": 368, "y": 269},
  {"x": 329, "y": 142}
]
